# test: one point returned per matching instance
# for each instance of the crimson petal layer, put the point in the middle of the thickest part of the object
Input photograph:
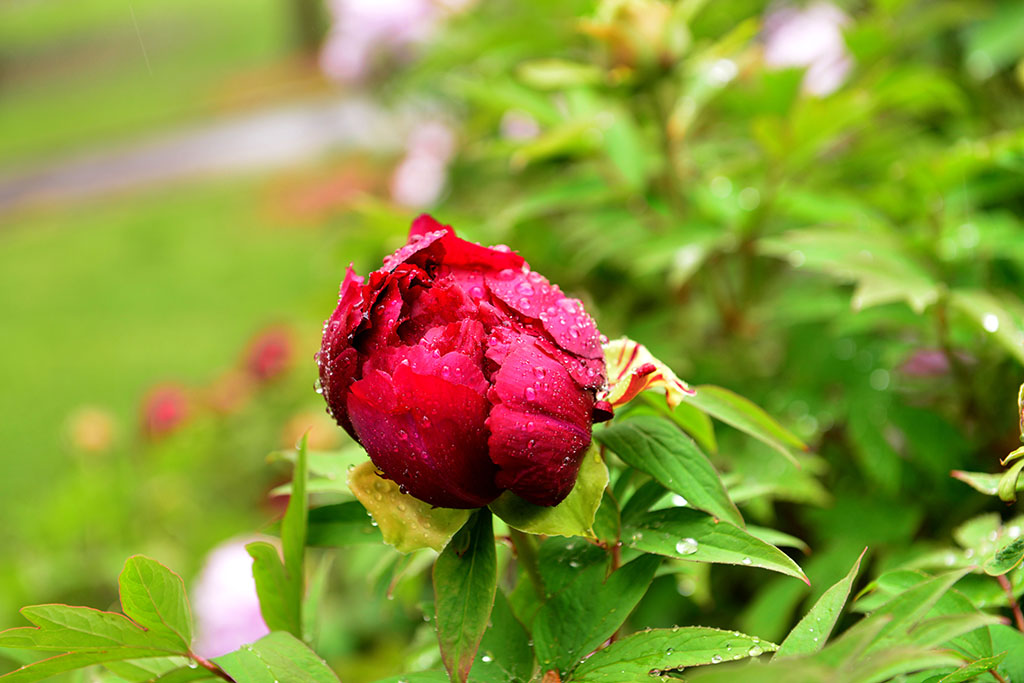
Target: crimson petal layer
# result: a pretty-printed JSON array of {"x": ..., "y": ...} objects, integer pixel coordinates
[
  {"x": 426, "y": 434},
  {"x": 540, "y": 425}
]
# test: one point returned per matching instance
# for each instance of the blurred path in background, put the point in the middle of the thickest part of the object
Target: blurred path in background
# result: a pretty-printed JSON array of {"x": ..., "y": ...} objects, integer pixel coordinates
[{"x": 272, "y": 138}]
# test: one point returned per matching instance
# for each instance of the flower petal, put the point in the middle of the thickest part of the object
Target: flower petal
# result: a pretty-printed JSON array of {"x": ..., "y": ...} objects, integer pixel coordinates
[
  {"x": 632, "y": 369},
  {"x": 540, "y": 425},
  {"x": 426, "y": 434},
  {"x": 530, "y": 294}
]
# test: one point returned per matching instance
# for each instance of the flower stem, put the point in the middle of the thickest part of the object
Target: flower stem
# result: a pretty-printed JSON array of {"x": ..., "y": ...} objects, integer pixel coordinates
[
  {"x": 210, "y": 666},
  {"x": 1018, "y": 617},
  {"x": 526, "y": 552}
]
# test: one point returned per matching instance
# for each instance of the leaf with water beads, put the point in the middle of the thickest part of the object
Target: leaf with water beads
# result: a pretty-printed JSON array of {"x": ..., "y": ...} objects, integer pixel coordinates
[
  {"x": 406, "y": 523},
  {"x": 690, "y": 535},
  {"x": 636, "y": 657},
  {"x": 1006, "y": 558},
  {"x": 276, "y": 658}
]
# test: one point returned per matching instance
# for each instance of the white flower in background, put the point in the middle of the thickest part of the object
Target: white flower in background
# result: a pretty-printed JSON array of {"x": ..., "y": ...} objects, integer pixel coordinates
[
  {"x": 363, "y": 30},
  {"x": 812, "y": 38},
  {"x": 420, "y": 177},
  {"x": 224, "y": 601}
]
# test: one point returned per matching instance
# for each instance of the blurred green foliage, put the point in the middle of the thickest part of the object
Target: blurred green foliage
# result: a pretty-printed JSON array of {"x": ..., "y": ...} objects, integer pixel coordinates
[{"x": 851, "y": 262}]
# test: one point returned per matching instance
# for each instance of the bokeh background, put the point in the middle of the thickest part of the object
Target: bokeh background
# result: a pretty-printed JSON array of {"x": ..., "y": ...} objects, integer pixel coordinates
[{"x": 818, "y": 205}]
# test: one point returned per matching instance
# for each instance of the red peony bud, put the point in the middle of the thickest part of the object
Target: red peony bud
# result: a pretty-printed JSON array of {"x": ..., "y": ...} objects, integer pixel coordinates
[{"x": 463, "y": 373}]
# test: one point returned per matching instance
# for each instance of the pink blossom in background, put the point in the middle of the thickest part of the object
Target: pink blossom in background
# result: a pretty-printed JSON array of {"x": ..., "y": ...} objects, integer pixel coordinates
[
  {"x": 224, "y": 602},
  {"x": 420, "y": 177},
  {"x": 164, "y": 409},
  {"x": 517, "y": 125},
  {"x": 811, "y": 37},
  {"x": 931, "y": 363},
  {"x": 363, "y": 31}
]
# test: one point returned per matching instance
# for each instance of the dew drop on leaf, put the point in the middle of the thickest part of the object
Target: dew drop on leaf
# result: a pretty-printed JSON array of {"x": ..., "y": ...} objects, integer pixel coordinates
[{"x": 687, "y": 546}]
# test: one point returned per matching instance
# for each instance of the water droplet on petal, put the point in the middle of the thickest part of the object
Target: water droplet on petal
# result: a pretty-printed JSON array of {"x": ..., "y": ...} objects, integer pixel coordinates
[{"x": 530, "y": 393}]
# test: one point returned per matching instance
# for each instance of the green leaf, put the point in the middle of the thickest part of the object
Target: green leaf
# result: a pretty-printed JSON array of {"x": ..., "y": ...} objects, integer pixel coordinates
[
  {"x": 186, "y": 675},
  {"x": 744, "y": 415},
  {"x": 406, "y": 523},
  {"x": 280, "y": 583},
  {"x": 63, "y": 628},
  {"x": 633, "y": 657},
  {"x": 293, "y": 529},
  {"x": 1005, "y": 559},
  {"x": 276, "y": 658},
  {"x": 505, "y": 653},
  {"x": 657, "y": 447},
  {"x": 942, "y": 629},
  {"x": 995, "y": 315},
  {"x": 978, "y": 532},
  {"x": 69, "y": 661},
  {"x": 560, "y": 561},
  {"x": 1014, "y": 455},
  {"x": 574, "y": 516},
  {"x": 693, "y": 536},
  {"x": 1008, "y": 640},
  {"x": 556, "y": 74},
  {"x": 418, "y": 677},
  {"x": 465, "y": 582},
  {"x": 161, "y": 670},
  {"x": 910, "y": 607},
  {"x": 588, "y": 611},
  {"x": 1010, "y": 483},
  {"x": 882, "y": 268},
  {"x": 974, "y": 669},
  {"x": 273, "y": 588},
  {"x": 608, "y": 519},
  {"x": 984, "y": 482},
  {"x": 327, "y": 469},
  {"x": 149, "y": 669},
  {"x": 154, "y": 597},
  {"x": 810, "y": 634},
  {"x": 694, "y": 422},
  {"x": 778, "y": 538},
  {"x": 891, "y": 663},
  {"x": 340, "y": 525}
]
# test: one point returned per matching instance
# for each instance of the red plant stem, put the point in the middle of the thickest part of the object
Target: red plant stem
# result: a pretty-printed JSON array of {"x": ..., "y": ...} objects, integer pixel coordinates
[
  {"x": 211, "y": 667},
  {"x": 1018, "y": 617},
  {"x": 995, "y": 675}
]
